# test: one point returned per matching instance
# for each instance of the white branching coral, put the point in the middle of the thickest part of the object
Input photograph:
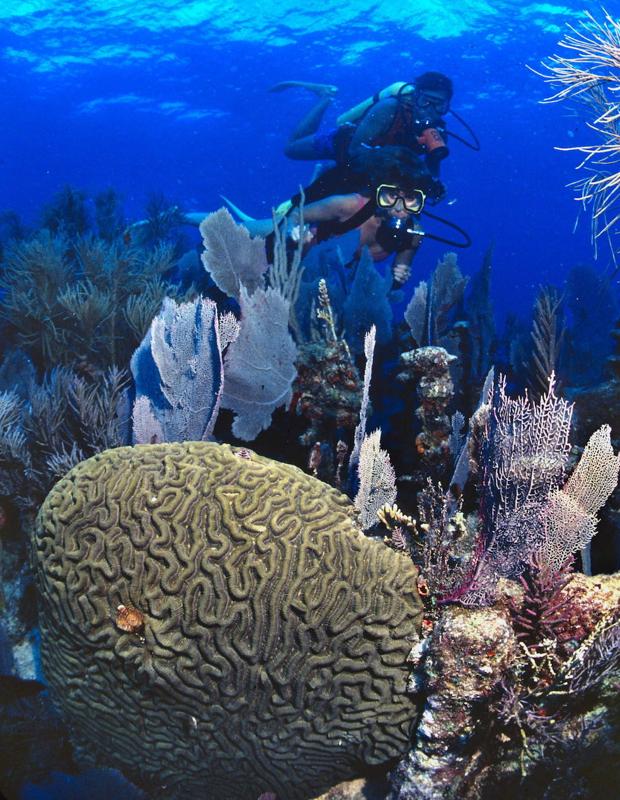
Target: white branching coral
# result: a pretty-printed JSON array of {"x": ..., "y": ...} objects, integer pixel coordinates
[
  {"x": 590, "y": 74},
  {"x": 360, "y": 431},
  {"x": 377, "y": 480}
]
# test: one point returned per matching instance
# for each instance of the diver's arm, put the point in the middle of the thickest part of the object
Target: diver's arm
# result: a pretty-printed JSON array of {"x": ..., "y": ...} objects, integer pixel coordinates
[
  {"x": 256, "y": 227},
  {"x": 401, "y": 266},
  {"x": 336, "y": 208},
  {"x": 373, "y": 124}
]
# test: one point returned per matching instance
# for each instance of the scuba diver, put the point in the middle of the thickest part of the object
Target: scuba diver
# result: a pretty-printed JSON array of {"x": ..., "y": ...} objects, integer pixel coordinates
[
  {"x": 405, "y": 114},
  {"x": 384, "y": 210}
]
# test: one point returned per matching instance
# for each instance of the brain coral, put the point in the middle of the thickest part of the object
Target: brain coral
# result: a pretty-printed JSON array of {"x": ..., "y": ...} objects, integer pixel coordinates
[{"x": 214, "y": 624}]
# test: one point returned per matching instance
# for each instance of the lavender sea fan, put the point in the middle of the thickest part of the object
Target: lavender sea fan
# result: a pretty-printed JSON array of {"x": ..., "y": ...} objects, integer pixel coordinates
[
  {"x": 231, "y": 256},
  {"x": 260, "y": 364}
]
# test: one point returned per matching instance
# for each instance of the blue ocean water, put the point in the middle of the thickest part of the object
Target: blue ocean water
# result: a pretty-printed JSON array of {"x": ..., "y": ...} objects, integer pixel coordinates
[{"x": 173, "y": 97}]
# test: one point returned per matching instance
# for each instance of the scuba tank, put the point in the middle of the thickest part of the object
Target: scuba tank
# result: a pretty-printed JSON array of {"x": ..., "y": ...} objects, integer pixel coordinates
[{"x": 353, "y": 115}]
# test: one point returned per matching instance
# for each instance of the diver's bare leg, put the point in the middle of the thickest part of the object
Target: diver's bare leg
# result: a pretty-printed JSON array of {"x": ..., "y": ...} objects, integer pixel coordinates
[
  {"x": 301, "y": 144},
  {"x": 310, "y": 124},
  {"x": 317, "y": 88}
]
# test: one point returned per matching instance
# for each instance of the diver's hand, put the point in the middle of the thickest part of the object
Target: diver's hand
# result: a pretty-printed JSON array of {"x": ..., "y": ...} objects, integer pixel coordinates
[
  {"x": 401, "y": 274},
  {"x": 297, "y": 234}
]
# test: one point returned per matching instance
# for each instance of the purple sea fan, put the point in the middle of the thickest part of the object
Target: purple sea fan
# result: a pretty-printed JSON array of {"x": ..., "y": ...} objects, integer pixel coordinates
[{"x": 526, "y": 506}]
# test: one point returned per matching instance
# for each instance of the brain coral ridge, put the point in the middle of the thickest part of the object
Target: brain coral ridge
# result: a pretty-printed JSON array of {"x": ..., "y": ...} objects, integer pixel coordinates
[{"x": 215, "y": 625}]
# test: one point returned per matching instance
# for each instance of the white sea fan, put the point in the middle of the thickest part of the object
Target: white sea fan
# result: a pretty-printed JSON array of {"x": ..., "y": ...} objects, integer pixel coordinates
[
  {"x": 360, "y": 431},
  {"x": 184, "y": 345}
]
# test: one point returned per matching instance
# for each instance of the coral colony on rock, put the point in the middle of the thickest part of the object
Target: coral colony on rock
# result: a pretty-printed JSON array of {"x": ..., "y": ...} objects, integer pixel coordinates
[{"x": 264, "y": 536}]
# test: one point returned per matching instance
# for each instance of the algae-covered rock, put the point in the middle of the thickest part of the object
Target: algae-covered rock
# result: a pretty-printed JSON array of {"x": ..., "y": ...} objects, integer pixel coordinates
[{"x": 215, "y": 625}]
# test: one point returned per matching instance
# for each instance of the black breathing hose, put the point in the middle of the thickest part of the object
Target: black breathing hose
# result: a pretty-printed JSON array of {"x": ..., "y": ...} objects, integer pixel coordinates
[
  {"x": 472, "y": 146},
  {"x": 466, "y": 237}
]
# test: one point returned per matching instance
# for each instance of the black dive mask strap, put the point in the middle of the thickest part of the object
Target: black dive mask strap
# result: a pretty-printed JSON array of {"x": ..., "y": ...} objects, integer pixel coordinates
[
  {"x": 327, "y": 229},
  {"x": 466, "y": 237}
]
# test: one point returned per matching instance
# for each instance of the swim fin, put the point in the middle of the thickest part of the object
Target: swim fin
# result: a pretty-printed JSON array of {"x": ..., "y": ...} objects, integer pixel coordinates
[
  {"x": 322, "y": 89},
  {"x": 237, "y": 211},
  {"x": 281, "y": 211}
]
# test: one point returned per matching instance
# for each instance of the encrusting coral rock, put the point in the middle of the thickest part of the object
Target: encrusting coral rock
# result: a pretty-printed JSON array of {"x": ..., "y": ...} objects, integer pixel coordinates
[
  {"x": 459, "y": 665},
  {"x": 430, "y": 367},
  {"x": 263, "y": 639},
  {"x": 471, "y": 663},
  {"x": 328, "y": 388}
]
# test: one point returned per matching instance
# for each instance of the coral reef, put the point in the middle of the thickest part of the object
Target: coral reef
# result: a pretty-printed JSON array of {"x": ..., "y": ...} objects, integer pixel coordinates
[
  {"x": 376, "y": 480},
  {"x": 367, "y": 304},
  {"x": 460, "y": 666},
  {"x": 595, "y": 405},
  {"x": 217, "y": 624},
  {"x": 267, "y": 637},
  {"x": 432, "y": 309},
  {"x": 84, "y": 302},
  {"x": 327, "y": 389},
  {"x": 259, "y": 368},
  {"x": 230, "y": 256},
  {"x": 66, "y": 418},
  {"x": 548, "y": 333},
  {"x": 179, "y": 374},
  {"x": 430, "y": 368},
  {"x": 477, "y": 332},
  {"x": 260, "y": 362},
  {"x": 526, "y": 505},
  {"x": 497, "y": 713},
  {"x": 507, "y": 688}
]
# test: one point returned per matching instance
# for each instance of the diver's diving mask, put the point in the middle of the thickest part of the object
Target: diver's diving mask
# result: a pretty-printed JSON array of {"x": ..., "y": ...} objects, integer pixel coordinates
[
  {"x": 388, "y": 196},
  {"x": 440, "y": 104}
]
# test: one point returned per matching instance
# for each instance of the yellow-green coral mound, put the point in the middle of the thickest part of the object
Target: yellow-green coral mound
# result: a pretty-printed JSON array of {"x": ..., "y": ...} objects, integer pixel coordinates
[{"x": 263, "y": 638}]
